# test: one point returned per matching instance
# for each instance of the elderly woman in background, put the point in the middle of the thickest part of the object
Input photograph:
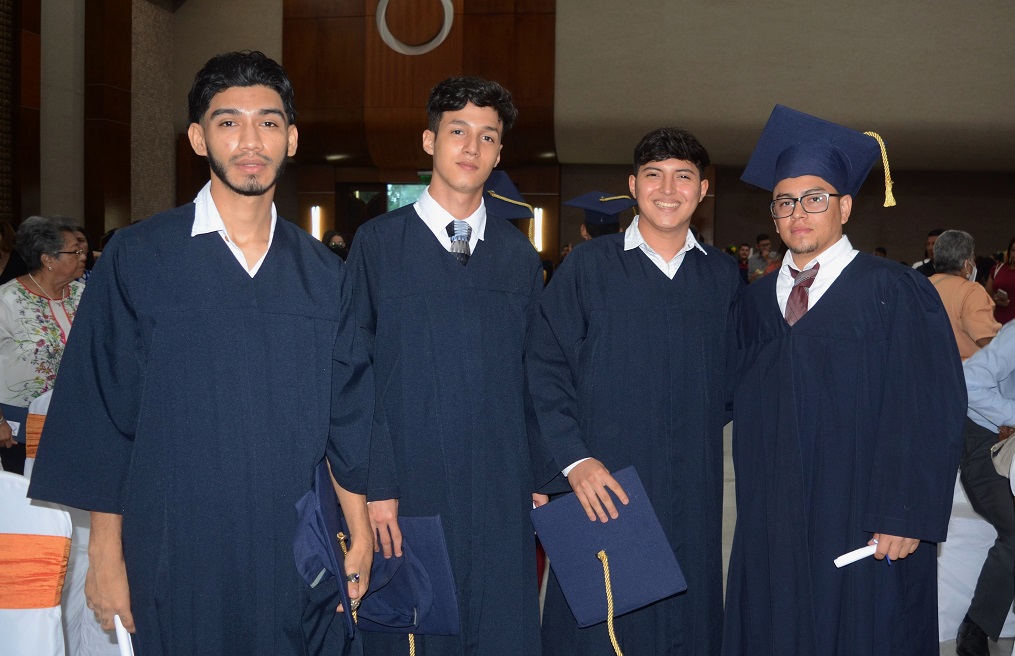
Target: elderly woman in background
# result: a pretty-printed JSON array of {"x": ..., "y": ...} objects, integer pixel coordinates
[
  {"x": 36, "y": 312},
  {"x": 1001, "y": 285},
  {"x": 969, "y": 307}
]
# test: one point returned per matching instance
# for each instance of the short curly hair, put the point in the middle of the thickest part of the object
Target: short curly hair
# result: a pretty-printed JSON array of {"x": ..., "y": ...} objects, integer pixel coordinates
[
  {"x": 454, "y": 93},
  {"x": 670, "y": 143},
  {"x": 42, "y": 235},
  {"x": 239, "y": 69}
]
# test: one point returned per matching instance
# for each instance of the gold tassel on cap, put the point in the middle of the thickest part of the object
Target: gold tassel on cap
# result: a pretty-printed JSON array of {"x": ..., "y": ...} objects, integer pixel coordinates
[
  {"x": 889, "y": 198},
  {"x": 607, "y": 199},
  {"x": 508, "y": 200}
]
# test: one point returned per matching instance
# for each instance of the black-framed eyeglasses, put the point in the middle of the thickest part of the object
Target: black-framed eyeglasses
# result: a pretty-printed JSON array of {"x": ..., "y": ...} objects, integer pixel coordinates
[
  {"x": 812, "y": 204},
  {"x": 78, "y": 252}
]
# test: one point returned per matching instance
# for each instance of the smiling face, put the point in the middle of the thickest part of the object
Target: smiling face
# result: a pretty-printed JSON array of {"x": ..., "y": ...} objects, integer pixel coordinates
[
  {"x": 808, "y": 235},
  {"x": 465, "y": 148},
  {"x": 667, "y": 192},
  {"x": 246, "y": 139}
]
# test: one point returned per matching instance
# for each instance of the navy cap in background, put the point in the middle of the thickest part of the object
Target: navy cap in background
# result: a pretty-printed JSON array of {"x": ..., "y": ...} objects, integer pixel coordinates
[
  {"x": 601, "y": 208},
  {"x": 503, "y": 199}
]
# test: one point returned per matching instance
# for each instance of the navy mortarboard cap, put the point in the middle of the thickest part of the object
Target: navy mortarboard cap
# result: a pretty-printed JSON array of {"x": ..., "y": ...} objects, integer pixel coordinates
[
  {"x": 601, "y": 208},
  {"x": 318, "y": 543},
  {"x": 795, "y": 144},
  {"x": 626, "y": 562},
  {"x": 503, "y": 199},
  {"x": 414, "y": 592}
]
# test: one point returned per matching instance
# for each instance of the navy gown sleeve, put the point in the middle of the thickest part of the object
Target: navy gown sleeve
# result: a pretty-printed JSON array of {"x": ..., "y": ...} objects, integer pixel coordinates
[
  {"x": 919, "y": 433},
  {"x": 383, "y": 471},
  {"x": 85, "y": 449},
  {"x": 558, "y": 328},
  {"x": 352, "y": 399}
]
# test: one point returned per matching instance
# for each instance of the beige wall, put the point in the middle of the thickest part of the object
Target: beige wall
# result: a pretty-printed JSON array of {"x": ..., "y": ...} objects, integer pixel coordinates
[
  {"x": 205, "y": 28},
  {"x": 63, "y": 108}
]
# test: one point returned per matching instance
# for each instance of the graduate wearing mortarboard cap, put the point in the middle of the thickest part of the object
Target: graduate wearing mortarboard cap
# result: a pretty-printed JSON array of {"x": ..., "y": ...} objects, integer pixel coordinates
[{"x": 859, "y": 386}]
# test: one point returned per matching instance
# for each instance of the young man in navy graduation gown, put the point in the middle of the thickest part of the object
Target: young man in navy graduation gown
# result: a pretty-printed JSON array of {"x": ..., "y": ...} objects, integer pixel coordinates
[
  {"x": 445, "y": 320},
  {"x": 626, "y": 364},
  {"x": 858, "y": 385},
  {"x": 195, "y": 397}
]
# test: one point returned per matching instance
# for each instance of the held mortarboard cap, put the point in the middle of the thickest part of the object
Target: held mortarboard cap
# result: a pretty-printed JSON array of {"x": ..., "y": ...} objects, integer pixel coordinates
[
  {"x": 317, "y": 546},
  {"x": 602, "y": 208},
  {"x": 503, "y": 199},
  {"x": 795, "y": 144},
  {"x": 626, "y": 563},
  {"x": 413, "y": 593}
]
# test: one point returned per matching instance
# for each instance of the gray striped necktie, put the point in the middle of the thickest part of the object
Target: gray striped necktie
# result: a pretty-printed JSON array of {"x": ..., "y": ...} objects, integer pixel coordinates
[{"x": 460, "y": 232}]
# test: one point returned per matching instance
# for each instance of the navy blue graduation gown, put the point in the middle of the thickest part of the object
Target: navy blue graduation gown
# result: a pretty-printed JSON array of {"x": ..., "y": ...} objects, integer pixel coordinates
[
  {"x": 628, "y": 366},
  {"x": 845, "y": 424},
  {"x": 194, "y": 400},
  {"x": 450, "y": 435}
]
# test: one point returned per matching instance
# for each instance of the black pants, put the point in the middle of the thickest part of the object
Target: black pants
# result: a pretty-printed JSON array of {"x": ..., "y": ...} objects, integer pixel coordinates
[{"x": 991, "y": 497}]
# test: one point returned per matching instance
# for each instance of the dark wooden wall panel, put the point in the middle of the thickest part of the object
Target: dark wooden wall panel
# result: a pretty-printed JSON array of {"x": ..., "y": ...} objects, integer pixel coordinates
[
  {"x": 27, "y": 172},
  {"x": 362, "y": 105},
  {"x": 107, "y": 114},
  {"x": 323, "y": 8}
]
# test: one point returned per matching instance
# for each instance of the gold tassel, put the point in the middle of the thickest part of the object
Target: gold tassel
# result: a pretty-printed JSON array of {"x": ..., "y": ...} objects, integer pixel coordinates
[
  {"x": 345, "y": 552},
  {"x": 889, "y": 197},
  {"x": 607, "y": 199},
  {"x": 609, "y": 602},
  {"x": 508, "y": 200}
]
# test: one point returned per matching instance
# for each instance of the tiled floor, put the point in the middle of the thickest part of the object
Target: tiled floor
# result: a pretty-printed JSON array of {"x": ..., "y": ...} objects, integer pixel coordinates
[{"x": 729, "y": 518}]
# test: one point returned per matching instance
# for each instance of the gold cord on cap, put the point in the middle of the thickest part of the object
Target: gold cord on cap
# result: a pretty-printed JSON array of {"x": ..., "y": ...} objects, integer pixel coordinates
[
  {"x": 607, "y": 199},
  {"x": 508, "y": 200},
  {"x": 889, "y": 198}
]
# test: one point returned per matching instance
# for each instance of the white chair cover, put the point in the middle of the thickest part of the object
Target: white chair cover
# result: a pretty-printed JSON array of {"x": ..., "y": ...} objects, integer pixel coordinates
[
  {"x": 958, "y": 565},
  {"x": 30, "y": 631},
  {"x": 39, "y": 406},
  {"x": 83, "y": 633}
]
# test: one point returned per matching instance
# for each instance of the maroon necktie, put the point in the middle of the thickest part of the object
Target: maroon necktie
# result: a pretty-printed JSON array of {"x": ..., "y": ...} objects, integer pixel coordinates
[{"x": 796, "y": 306}]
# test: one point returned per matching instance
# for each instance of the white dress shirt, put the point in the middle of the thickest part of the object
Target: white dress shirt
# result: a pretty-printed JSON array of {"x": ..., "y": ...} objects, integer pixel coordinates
[
  {"x": 437, "y": 218},
  {"x": 990, "y": 381},
  {"x": 836, "y": 258},
  {"x": 634, "y": 239},
  {"x": 207, "y": 219}
]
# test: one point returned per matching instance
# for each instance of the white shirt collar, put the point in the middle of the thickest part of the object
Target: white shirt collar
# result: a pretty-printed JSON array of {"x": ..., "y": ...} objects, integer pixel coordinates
[
  {"x": 207, "y": 219},
  {"x": 827, "y": 257},
  {"x": 437, "y": 218},
  {"x": 634, "y": 239}
]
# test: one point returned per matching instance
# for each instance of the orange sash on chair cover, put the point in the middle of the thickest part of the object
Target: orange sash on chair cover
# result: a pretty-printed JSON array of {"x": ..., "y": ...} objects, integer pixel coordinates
[
  {"x": 32, "y": 569},
  {"x": 33, "y": 431}
]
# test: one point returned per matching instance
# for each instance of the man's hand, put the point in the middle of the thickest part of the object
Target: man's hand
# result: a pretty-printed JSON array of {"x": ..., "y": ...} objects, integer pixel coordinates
[
  {"x": 106, "y": 590},
  {"x": 590, "y": 482},
  {"x": 384, "y": 522},
  {"x": 357, "y": 570},
  {"x": 539, "y": 499},
  {"x": 893, "y": 546},
  {"x": 6, "y": 434}
]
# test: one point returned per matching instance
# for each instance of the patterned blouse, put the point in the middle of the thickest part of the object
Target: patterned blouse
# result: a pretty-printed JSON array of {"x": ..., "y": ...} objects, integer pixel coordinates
[{"x": 33, "y": 333}]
